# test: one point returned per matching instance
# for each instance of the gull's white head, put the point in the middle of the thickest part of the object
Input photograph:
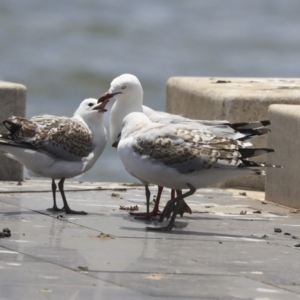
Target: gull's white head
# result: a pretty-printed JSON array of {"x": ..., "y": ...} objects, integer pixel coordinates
[
  {"x": 126, "y": 87},
  {"x": 91, "y": 110}
]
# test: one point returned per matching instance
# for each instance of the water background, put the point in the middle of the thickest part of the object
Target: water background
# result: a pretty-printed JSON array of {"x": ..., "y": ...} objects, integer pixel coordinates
[{"x": 66, "y": 51}]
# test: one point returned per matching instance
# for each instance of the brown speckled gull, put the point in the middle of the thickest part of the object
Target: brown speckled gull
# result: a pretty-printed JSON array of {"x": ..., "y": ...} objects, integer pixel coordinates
[
  {"x": 57, "y": 147},
  {"x": 180, "y": 156}
]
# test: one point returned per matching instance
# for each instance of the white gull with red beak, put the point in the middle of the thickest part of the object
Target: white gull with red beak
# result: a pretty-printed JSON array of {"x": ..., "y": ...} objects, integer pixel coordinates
[
  {"x": 57, "y": 147},
  {"x": 128, "y": 93}
]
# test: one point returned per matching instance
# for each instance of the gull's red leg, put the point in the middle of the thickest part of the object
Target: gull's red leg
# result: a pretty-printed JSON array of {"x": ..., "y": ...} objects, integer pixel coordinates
[
  {"x": 172, "y": 194},
  {"x": 155, "y": 210}
]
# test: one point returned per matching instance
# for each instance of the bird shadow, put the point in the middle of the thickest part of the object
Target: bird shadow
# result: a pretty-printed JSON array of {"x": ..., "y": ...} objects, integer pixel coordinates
[
  {"x": 175, "y": 232},
  {"x": 47, "y": 213}
]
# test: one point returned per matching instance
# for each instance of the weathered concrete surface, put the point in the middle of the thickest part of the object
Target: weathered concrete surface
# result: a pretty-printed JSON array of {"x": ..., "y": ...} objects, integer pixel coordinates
[
  {"x": 12, "y": 102},
  {"x": 283, "y": 186},
  {"x": 215, "y": 253},
  {"x": 232, "y": 99}
]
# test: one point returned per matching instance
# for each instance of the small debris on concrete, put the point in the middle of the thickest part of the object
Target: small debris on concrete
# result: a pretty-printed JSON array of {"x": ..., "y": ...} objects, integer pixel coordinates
[
  {"x": 298, "y": 245},
  {"x": 220, "y": 243},
  {"x": 5, "y": 233},
  {"x": 278, "y": 230},
  {"x": 294, "y": 211},
  {"x": 243, "y": 212},
  {"x": 46, "y": 290},
  {"x": 208, "y": 206},
  {"x": 287, "y": 233},
  {"x": 263, "y": 202},
  {"x": 243, "y": 194},
  {"x": 83, "y": 268},
  {"x": 154, "y": 276},
  {"x": 223, "y": 81},
  {"x": 132, "y": 184},
  {"x": 295, "y": 237},
  {"x": 103, "y": 235},
  {"x": 117, "y": 195},
  {"x": 60, "y": 217},
  {"x": 6, "y": 230},
  {"x": 130, "y": 208},
  {"x": 19, "y": 183},
  {"x": 257, "y": 212},
  {"x": 152, "y": 203},
  {"x": 264, "y": 236}
]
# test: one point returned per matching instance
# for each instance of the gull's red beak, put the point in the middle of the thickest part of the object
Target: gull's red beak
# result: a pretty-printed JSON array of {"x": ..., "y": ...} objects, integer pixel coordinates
[
  {"x": 107, "y": 96},
  {"x": 101, "y": 106}
]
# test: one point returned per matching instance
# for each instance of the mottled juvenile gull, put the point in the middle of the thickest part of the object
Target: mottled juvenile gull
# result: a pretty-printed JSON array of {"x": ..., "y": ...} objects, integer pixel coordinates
[
  {"x": 128, "y": 93},
  {"x": 57, "y": 147},
  {"x": 181, "y": 156}
]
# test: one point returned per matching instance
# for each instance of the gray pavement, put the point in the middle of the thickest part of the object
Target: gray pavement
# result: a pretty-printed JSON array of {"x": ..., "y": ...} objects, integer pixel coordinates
[{"x": 215, "y": 253}]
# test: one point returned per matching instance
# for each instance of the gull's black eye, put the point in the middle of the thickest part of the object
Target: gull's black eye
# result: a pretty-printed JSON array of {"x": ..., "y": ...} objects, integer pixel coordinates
[{"x": 90, "y": 104}]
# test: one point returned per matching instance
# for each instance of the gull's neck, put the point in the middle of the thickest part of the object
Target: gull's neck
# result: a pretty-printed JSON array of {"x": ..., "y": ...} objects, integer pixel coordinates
[{"x": 119, "y": 111}]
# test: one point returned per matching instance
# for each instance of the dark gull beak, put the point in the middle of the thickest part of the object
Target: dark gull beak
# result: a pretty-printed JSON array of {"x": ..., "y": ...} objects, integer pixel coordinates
[
  {"x": 101, "y": 106},
  {"x": 107, "y": 96}
]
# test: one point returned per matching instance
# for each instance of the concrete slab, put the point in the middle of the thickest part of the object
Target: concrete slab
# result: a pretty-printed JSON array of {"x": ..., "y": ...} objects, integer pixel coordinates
[
  {"x": 13, "y": 102},
  {"x": 39, "y": 280},
  {"x": 214, "y": 253},
  {"x": 283, "y": 186},
  {"x": 232, "y": 99},
  {"x": 202, "y": 286}
]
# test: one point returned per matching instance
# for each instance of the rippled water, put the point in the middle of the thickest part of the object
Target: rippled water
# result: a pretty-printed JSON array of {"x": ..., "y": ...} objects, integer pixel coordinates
[{"x": 65, "y": 51}]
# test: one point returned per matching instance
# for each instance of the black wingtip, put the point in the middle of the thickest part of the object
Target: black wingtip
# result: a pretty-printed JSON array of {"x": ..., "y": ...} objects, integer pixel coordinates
[{"x": 265, "y": 122}]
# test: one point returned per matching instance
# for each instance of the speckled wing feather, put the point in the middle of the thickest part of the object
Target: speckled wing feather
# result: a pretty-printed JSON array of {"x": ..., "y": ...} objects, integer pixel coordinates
[
  {"x": 61, "y": 137},
  {"x": 188, "y": 149}
]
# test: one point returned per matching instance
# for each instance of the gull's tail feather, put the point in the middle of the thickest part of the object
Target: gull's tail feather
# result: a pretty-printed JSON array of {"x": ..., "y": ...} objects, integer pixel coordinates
[
  {"x": 251, "y": 152},
  {"x": 250, "y": 125},
  {"x": 251, "y": 129},
  {"x": 251, "y": 164}
]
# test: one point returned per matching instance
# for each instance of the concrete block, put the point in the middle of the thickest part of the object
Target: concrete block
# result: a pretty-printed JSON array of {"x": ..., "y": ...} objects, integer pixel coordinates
[
  {"x": 232, "y": 99},
  {"x": 283, "y": 185},
  {"x": 12, "y": 102}
]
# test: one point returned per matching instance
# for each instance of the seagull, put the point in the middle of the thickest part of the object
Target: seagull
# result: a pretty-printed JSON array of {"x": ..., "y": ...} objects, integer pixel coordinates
[
  {"x": 128, "y": 94},
  {"x": 57, "y": 147},
  {"x": 182, "y": 156}
]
